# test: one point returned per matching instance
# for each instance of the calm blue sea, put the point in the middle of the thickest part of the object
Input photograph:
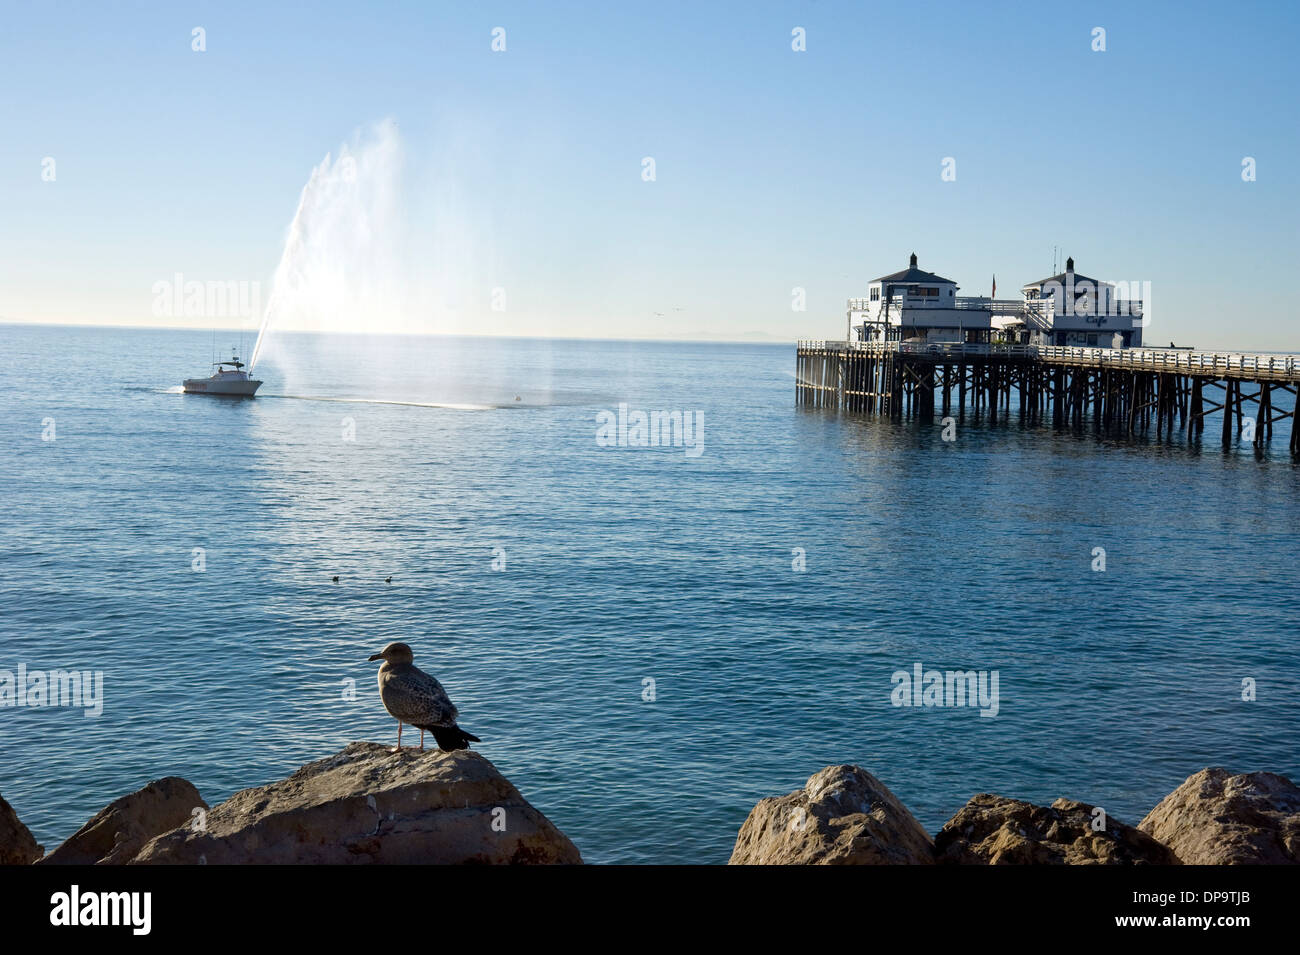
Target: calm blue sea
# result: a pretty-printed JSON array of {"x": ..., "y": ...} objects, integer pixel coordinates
[{"x": 621, "y": 565}]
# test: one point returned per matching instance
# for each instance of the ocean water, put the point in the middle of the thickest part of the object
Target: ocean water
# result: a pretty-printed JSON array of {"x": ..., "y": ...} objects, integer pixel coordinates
[{"x": 621, "y": 566}]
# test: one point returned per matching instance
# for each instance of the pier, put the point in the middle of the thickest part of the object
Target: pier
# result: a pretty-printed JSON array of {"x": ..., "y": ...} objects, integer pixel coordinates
[{"x": 1125, "y": 390}]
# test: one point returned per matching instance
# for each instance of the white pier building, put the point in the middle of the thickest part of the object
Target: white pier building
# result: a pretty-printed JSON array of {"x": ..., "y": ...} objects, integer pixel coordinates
[{"x": 1067, "y": 309}]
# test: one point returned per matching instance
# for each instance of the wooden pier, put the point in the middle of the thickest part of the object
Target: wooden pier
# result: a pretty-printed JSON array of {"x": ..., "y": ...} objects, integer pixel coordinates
[{"x": 1130, "y": 390}]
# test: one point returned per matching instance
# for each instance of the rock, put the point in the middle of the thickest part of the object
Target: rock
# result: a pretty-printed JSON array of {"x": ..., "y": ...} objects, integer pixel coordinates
[
  {"x": 994, "y": 830},
  {"x": 1216, "y": 818},
  {"x": 120, "y": 830},
  {"x": 842, "y": 816},
  {"x": 17, "y": 845},
  {"x": 366, "y": 804}
]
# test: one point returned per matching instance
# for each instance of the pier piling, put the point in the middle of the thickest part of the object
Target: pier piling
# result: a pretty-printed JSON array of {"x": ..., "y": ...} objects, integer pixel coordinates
[{"x": 1120, "y": 389}]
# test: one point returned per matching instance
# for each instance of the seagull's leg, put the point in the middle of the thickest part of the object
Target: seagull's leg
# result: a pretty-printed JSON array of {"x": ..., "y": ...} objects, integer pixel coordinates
[
  {"x": 399, "y": 737},
  {"x": 422, "y": 740}
]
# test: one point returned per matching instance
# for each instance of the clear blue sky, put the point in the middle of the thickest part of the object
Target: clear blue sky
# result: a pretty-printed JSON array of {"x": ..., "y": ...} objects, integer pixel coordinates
[{"x": 775, "y": 168}]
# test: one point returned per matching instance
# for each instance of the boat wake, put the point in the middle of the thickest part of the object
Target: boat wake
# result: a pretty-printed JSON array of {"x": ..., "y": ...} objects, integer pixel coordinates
[
  {"x": 447, "y": 405},
  {"x": 450, "y": 405}
]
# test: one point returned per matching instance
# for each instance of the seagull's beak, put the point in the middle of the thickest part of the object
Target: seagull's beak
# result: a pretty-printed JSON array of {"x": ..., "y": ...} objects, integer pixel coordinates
[{"x": 377, "y": 656}]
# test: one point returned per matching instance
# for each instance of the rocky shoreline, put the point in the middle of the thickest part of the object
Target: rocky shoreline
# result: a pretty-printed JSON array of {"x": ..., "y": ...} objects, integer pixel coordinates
[
  {"x": 846, "y": 816},
  {"x": 364, "y": 804},
  {"x": 367, "y": 804}
]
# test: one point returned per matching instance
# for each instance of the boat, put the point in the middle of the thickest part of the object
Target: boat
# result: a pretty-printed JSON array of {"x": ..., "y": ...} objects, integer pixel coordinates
[{"x": 228, "y": 379}]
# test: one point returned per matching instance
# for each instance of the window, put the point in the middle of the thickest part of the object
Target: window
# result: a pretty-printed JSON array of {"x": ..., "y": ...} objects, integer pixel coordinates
[{"x": 875, "y": 295}]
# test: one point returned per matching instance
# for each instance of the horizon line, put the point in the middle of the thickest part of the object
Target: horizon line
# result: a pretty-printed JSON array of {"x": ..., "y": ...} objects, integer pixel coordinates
[{"x": 771, "y": 340}]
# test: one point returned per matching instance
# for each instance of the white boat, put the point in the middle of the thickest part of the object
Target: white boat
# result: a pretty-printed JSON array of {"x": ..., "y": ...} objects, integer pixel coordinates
[{"x": 229, "y": 379}]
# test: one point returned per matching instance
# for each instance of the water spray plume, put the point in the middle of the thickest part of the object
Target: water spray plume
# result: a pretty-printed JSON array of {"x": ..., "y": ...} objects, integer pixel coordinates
[{"x": 341, "y": 264}]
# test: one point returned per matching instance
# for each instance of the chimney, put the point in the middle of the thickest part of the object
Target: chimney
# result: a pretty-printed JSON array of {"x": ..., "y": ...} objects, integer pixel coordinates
[
  {"x": 1069, "y": 265},
  {"x": 913, "y": 263}
]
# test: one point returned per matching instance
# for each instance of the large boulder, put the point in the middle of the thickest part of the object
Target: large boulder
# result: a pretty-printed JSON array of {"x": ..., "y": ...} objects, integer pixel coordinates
[
  {"x": 17, "y": 845},
  {"x": 367, "y": 804},
  {"x": 121, "y": 829},
  {"x": 994, "y": 830},
  {"x": 1216, "y": 818},
  {"x": 842, "y": 816}
]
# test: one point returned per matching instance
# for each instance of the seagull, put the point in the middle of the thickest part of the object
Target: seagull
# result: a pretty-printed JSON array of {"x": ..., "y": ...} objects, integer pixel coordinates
[{"x": 412, "y": 696}]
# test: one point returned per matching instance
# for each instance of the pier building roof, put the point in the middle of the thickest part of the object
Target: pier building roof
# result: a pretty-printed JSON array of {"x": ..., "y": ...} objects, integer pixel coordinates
[
  {"x": 913, "y": 274},
  {"x": 1065, "y": 277}
]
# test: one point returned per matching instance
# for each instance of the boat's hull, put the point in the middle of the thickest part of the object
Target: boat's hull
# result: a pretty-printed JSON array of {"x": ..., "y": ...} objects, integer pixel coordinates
[{"x": 232, "y": 389}]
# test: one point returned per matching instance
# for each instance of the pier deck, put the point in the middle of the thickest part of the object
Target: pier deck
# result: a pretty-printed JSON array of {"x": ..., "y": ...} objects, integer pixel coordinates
[{"x": 1129, "y": 389}]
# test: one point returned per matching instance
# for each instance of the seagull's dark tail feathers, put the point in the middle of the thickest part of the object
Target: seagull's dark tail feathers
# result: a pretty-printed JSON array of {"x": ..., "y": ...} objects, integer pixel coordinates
[{"x": 453, "y": 737}]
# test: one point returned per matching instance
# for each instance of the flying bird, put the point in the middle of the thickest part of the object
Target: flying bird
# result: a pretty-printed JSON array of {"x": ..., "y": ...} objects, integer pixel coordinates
[{"x": 412, "y": 696}]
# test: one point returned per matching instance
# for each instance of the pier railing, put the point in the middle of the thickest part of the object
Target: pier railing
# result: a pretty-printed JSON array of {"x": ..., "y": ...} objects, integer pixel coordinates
[
  {"x": 998, "y": 306},
  {"x": 1259, "y": 366},
  {"x": 1045, "y": 309},
  {"x": 1274, "y": 366}
]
